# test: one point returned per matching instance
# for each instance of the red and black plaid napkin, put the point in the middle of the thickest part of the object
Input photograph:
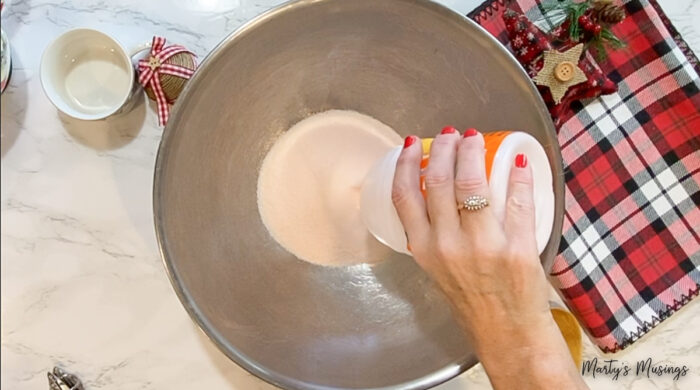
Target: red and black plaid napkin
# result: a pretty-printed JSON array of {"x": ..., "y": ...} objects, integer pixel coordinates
[{"x": 630, "y": 251}]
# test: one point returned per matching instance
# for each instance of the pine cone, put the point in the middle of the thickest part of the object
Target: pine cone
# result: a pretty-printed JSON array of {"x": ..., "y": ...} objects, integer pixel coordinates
[{"x": 607, "y": 12}]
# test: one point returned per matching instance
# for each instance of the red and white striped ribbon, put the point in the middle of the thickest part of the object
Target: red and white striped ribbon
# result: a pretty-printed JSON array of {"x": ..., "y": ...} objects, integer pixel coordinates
[{"x": 150, "y": 70}]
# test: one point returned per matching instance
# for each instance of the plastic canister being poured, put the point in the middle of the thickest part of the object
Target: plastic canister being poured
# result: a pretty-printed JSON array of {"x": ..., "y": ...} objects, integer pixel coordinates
[{"x": 380, "y": 217}]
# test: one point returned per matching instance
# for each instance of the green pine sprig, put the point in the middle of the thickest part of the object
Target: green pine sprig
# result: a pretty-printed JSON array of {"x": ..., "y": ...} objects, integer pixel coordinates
[
  {"x": 574, "y": 10},
  {"x": 605, "y": 39}
]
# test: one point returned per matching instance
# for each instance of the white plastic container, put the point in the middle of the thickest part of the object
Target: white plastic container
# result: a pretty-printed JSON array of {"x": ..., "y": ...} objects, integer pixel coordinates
[{"x": 380, "y": 217}]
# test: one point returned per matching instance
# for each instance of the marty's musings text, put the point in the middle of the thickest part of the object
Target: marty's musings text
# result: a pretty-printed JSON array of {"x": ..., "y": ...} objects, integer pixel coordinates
[{"x": 614, "y": 369}]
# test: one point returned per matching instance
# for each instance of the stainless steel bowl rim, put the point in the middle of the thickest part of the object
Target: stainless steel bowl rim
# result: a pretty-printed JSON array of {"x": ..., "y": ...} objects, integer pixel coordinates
[{"x": 272, "y": 377}]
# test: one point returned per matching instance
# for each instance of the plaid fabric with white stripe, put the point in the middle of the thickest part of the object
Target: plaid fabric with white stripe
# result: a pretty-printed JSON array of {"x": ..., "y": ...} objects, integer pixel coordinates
[{"x": 630, "y": 251}]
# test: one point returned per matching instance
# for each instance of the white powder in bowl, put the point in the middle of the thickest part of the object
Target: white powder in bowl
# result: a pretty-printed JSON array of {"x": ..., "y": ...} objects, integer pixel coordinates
[{"x": 309, "y": 187}]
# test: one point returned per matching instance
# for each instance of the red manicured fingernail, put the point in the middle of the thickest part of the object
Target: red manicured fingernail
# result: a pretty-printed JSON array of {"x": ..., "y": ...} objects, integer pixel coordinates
[
  {"x": 521, "y": 160},
  {"x": 448, "y": 130},
  {"x": 470, "y": 133},
  {"x": 410, "y": 140}
]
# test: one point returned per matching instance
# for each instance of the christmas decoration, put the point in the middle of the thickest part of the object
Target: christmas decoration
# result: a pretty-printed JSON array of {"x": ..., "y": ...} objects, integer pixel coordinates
[
  {"x": 173, "y": 85},
  {"x": 560, "y": 71},
  {"x": 588, "y": 22},
  {"x": 530, "y": 45},
  {"x": 165, "y": 73}
]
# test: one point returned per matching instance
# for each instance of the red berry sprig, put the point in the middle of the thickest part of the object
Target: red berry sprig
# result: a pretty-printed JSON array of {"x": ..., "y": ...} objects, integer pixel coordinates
[
  {"x": 588, "y": 25},
  {"x": 585, "y": 22}
]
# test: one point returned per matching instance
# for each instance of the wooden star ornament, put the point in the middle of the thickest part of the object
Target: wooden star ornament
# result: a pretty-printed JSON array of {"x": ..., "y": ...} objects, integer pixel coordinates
[{"x": 560, "y": 71}]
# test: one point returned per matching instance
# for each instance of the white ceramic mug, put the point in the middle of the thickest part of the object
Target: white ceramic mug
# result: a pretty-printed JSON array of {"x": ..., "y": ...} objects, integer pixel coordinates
[{"x": 87, "y": 74}]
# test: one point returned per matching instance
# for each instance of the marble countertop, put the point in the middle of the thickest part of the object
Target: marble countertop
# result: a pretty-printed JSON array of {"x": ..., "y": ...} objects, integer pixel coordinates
[{"x": 82, "y": 281}]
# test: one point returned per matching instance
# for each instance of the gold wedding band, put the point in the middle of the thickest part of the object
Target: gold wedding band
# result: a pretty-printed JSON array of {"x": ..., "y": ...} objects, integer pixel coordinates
[{"x": 473, "y": 203}]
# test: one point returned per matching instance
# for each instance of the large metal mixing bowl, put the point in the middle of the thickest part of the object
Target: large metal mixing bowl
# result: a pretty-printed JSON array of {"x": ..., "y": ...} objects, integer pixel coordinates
[{"x": 413, "y": 65}]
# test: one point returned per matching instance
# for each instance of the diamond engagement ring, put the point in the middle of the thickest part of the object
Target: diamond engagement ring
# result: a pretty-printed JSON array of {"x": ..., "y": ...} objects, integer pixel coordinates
[{"x": 473, "y": 203}]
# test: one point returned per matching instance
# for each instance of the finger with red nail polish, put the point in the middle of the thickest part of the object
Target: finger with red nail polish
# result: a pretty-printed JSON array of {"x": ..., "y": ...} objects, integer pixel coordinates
[
  {"x": 519, "y": 222},
  {"x": 406, "y": 195},
  {"x": 521, "y": 161},
  {"x": 448, "y": 130},
  {"x": 410, "y": 140},
  {"x": 470, "y": 132}
]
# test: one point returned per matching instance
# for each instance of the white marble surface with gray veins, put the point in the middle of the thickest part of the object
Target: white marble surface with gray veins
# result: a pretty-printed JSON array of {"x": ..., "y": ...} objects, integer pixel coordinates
[{"x": 82, "y": 281}]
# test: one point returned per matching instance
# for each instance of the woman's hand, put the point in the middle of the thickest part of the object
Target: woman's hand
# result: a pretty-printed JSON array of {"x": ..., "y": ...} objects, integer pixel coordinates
[{"x": 489, "y": 271}]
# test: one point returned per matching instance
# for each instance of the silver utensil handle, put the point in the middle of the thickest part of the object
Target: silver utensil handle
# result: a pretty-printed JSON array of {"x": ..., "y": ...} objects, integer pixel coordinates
[{"x": 61, "y": 380}]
